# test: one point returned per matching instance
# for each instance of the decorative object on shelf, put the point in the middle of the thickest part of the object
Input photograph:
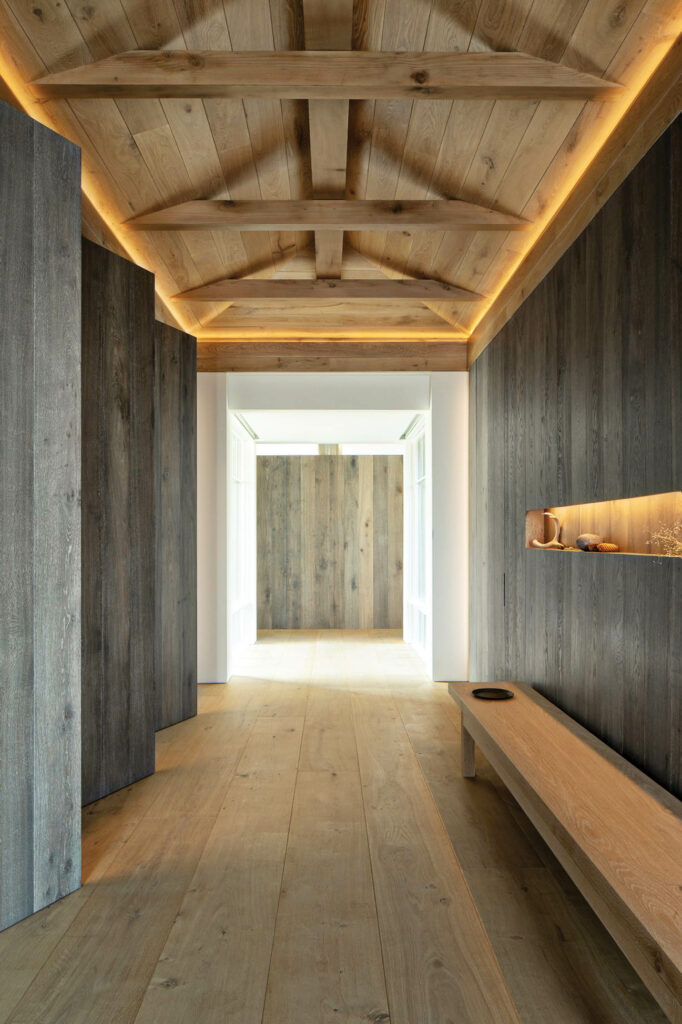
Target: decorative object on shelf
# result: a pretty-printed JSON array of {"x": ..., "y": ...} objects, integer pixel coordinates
[
  {"x": 492, "y": 693},
  {"x": 607, "y": 546},
  {"x": 669, "y": 538},
  {"x": 589, "y": 541},
  {"x": 554, "y": 543}
]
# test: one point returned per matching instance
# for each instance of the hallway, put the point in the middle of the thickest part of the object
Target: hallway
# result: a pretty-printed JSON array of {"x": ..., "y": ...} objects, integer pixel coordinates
[{"x": 306, "y": 853}]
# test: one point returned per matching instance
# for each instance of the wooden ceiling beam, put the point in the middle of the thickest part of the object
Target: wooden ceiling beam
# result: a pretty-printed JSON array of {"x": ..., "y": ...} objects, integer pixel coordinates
[
  {"x": 327, "y": 75},
  {"x": 657, "y": 105},
  {"x": 441, "y": 308},
  {"x": 217, "y": 356},
  {"x": 328, "y": 25},
  {"x": 327, "y": 214},
  {"x": 401, "y": 290}
]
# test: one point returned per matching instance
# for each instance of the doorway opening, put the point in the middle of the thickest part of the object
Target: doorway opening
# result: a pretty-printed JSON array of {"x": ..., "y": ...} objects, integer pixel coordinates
[{"x": 337, "y": 489}]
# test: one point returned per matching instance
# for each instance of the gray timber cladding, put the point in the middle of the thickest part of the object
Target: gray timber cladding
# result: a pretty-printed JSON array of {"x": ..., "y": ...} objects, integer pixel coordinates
[
  {"x": 330, "y": 542},
  {"x": 175, "y": 502},
  {"x": 119, "y": 616},
  {"x": 40, "y": 485},
  {"x": 579, "y": 398}
]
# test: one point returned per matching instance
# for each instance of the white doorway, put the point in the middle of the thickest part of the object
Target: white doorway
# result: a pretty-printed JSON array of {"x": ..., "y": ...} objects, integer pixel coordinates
[
  {"x": 295, "y": 413},
  {"x": 241, "y": 540},
  {"x": 417, "y": 539}
]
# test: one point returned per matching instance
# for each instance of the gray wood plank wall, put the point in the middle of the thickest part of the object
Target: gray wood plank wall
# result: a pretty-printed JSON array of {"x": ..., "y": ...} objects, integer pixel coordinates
[
  {"x": 176, "y": 525},
  {"x": 118, "y": 523},
  {"x": 330, "y": 542},
  {"x": 578, "y": 399},
  {"x": 40, "y": 483}
]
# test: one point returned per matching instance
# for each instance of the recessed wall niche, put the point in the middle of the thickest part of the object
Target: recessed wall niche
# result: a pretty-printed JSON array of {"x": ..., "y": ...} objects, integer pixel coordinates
[{"x": 650, "y": 524}]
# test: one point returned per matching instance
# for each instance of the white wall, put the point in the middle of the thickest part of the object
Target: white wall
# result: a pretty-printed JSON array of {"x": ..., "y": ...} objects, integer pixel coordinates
[
  {"x": 241, "y": 569},
  {"x": 212, "y": 527},
  {"x": 450, "y": 512},
  {"x": 328, "y": 391}
]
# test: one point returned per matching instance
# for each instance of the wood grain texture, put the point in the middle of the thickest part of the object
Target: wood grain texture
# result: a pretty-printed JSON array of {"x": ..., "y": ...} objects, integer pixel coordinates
[
  {"x": 654, "y": 109},
  {"x": 118, "y": 524},
  {"x": 515, "y": 155},
  {"x": 323, "y": 289},
  {"x": 175, "y": 412},
  {"x": 420, "y": 887},
  {"x": 40, "y": 486},
  {"x": 328, "y": 27},
  {"x": 330, "y": 537},
  {"x": 332, "y": 355},
  {"x": 326, "y": 214},
  {"x": 618, "y": 834},
  {"x": 578, "y": 400},
  {"x": 193, "y": 892},
  {"x": 323, "y": 75}
]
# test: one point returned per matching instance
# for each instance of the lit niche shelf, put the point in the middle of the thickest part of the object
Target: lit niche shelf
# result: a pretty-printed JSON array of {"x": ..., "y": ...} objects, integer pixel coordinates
[{"x": 646, "y": 525}]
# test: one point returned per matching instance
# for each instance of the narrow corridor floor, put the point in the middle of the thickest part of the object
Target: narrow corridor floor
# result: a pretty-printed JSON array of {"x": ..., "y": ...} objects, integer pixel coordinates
[{"x": 307, "y": 853}]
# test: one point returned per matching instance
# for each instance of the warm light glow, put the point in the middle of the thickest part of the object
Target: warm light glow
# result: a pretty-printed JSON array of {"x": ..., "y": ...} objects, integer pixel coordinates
[
  {"x": 644, "y": 525},
  {"x": 315, "y": 339},
  {"x": 91, "y": 189},
  {"x": 612, "y": 113}
]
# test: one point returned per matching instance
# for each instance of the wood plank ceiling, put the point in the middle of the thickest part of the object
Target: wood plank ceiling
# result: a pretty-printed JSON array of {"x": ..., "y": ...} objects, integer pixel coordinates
[{"x": 517, "y": 153}]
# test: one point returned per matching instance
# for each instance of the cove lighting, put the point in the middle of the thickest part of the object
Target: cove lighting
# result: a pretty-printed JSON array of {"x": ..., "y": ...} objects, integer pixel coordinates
[
  {"x": 94, "y": 192},
  {"x": 650, "y": 524}
]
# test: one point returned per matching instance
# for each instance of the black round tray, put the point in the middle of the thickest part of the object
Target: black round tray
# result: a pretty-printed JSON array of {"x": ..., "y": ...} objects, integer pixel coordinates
[{"x": 492, "y": 693}]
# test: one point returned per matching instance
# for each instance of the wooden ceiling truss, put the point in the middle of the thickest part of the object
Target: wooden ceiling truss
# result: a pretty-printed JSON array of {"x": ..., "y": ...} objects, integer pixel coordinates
[{"x": 369, "y": 172}]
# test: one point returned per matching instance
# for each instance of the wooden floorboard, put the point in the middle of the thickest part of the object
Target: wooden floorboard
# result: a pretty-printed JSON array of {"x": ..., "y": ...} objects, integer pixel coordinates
[{"x": 307, "y": 853}]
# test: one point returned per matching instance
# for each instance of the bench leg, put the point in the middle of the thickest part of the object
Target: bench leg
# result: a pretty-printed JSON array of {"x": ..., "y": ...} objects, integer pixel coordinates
[{"x": 468, "y": 755}]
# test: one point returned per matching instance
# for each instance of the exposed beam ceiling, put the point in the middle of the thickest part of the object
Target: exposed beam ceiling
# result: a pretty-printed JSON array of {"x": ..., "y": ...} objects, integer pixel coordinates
[
  {"x": 330, "y": 354},
  {"x": 329, "y": 75},
  {"x": 404, "y": 290},
  {"x": 328, "y": 25},
  {"x": 659, "y": 103},
  {"x": 324, "y": 214},
  {"x": 479, "y": 121}
]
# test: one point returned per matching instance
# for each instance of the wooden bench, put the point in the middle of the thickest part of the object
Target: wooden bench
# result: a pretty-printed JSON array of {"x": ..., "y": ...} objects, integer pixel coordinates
[{"x": 615, "y": 831}]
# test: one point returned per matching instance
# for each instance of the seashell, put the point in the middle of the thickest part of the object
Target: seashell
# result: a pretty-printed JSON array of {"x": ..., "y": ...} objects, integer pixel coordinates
[
  {"x": 586, "y": 541},
  {"x": 605, "y": 546}
]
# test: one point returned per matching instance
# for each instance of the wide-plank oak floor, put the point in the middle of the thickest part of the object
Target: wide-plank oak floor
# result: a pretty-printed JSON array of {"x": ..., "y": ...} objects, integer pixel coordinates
[{"x": 307, "y": 853}]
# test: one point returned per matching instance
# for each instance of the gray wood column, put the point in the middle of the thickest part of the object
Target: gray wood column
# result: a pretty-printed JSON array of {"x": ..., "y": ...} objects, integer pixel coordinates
[
  {"x": 118, "y": 522},
  {"x": 579, "y": 399},
  {"x": 175, "y": 415},
  {"x": 40, "y": 482}
]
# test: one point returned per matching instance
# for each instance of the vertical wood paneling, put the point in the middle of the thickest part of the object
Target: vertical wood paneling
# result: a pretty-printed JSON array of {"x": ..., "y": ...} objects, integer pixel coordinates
[
  {"x": 351, "y": 541},
  {"x": 40, "y": 483},
  {"x": 330, "y": 541},
  {"x": 588, "y": 373},
  {"x": 366, "y": 543},
  {"x": 56, "y": 500},
  {"x": 293, "y": 562},
  {"x": 16, "y": 520},
  {"x": 118, "y": 523},
  {"x": 175, "y": 669}
]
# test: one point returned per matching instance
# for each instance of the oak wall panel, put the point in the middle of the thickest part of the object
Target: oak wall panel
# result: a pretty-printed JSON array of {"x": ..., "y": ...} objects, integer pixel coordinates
[
  {"x": 118, "y": 523},
  {"x": 175, "y": 414},
  {"x": 579, "y": 399},
  {"x": 330, "y": 542},
  {"x": 40, "y": 483}
]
